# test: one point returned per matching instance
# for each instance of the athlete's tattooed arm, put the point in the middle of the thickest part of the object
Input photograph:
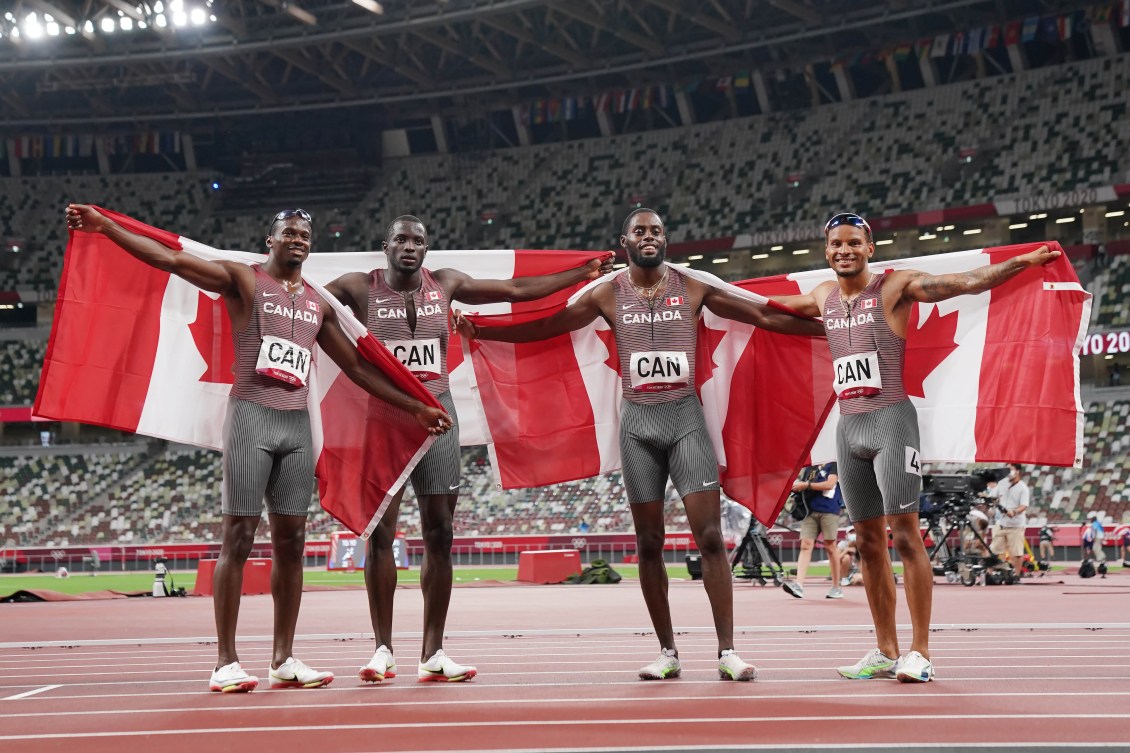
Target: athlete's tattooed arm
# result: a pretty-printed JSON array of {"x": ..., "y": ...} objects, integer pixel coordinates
[{"x": 926, "y": 288}]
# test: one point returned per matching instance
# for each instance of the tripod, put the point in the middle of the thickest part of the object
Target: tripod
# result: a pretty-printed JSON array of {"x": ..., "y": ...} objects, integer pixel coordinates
[
  {"x": 964, "y": 566},
  {"x": 756, "y": 557}
]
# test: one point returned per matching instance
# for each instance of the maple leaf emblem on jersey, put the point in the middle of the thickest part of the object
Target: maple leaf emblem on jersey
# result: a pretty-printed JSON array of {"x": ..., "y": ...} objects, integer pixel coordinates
[
  {"x": 212, "y": 334},
  {"x": 927, "y": 344}
]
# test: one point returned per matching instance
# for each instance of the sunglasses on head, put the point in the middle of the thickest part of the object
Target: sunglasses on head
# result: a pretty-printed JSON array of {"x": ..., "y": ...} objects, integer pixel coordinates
[
  {"x": 848, "y": 219},
  {"x": 286, "y": 214}
]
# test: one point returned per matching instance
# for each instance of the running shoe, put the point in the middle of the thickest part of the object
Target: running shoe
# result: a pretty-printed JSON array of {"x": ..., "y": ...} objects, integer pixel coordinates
[
  {"x": 381, "y": 667},
  {"x": 231, "y": 678},
  {"x": 292, "y": 673},
  {"x": 731, "y": 667},
  {"x": 793, "y": 588},
  {"x": 914, "y": 667},
  {"x": 441, "y": 668},
  {"x": 666, "y": 666},
  {"x": 835, "y": 592},
  {"x": 874, "y": 664}
]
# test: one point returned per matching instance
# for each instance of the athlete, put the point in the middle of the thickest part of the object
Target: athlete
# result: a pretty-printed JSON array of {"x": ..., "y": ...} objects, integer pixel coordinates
[
  {"x": 877, "y": 443},
  {"x": 653, "y": 309},
  {"x": 268, "y": 451},
  {"x": 407, "y": 308}
]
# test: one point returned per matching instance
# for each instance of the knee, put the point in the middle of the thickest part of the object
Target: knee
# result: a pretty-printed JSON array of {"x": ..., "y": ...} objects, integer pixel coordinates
[
  {"x": 709, "y": 541},
  {"x": 238, "y": 540},
  {"x": 807, "y": 544},
  {"x": 438, "y": 538},
  {"x": 289, "y": 542},
  {"x": 649, "y": 544},
  {"x": 381, "y": 541}
]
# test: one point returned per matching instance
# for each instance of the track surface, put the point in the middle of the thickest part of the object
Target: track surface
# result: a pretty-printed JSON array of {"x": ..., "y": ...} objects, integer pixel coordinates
[{"x": 1039, "y": 665}]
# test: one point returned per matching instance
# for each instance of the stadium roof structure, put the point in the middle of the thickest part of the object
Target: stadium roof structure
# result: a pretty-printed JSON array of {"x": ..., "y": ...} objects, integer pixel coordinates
[{"x": 82, "y": 62}]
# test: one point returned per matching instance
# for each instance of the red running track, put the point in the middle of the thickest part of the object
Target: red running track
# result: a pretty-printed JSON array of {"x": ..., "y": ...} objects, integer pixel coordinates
[{"x": 1034, "y": 665}]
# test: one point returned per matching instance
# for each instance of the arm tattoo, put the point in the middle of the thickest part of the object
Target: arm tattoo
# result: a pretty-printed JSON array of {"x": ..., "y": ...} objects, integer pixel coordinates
[{"x": 941, "y": 287}]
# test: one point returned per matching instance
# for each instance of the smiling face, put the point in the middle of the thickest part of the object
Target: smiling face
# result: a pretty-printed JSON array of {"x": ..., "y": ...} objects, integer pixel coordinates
[
  {"x": 848, "y": 250},
  {"x": 290, "y": 241},
  {"x": 406, "y": 246},
  {"x": 646, "y": 240}
]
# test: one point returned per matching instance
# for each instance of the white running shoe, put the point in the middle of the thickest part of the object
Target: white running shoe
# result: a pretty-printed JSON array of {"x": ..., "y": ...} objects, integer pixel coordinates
[
  {"x": 381, "y": 667},
  {"x": 914, "y": 667},
  {"x": 793, "y": 588},
  {"x": 835, "y": 592},
  {"x": 874, "y": 664},
  {"x": 666, "y": 666},
  {"x": 441, "y": 668},
  {"x": 292, "y": 673},
  {"x": 231, "y": 678},
  {"x": 731, "y": 667}
]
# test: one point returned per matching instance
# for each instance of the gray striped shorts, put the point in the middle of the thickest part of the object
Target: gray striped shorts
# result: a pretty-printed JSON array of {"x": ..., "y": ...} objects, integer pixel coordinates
[
  {"x": 268, "y": 458},
  {"x": 666, "y": 439},
  {"x": 439, "y": 470},
  {"x": 879, "y": 461}
]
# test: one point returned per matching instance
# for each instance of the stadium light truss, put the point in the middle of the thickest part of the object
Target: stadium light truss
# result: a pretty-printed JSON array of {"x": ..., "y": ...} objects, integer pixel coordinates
[{"x": 162, "y": 15}]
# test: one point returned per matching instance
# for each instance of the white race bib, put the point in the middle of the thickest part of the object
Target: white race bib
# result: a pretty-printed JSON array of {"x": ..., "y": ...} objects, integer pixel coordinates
[
  {"x": 659, "y": 370},
  {"x": 283, "y": 360},
  {"x": 422, "y": 357},
  {"x": 857, "y": 375}
]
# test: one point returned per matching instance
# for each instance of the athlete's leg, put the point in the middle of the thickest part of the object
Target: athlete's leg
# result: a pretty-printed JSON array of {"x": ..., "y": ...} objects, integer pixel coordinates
[
  {"x": 380, "y": 573},
  {"x": 875, "y": 563},
  {"x": 436, "y": 514},
  {"x": 918, "y": 578},
  {"x": 647, "y": 518},
  {"x": 704, "y": 514},
  {"x": 238, "y": 535},
  {"x": 288, "y": 544}
]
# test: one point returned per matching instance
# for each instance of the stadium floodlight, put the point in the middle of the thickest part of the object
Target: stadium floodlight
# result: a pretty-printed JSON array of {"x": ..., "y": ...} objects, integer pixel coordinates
[
  {"x": 180, "y": 18},
  {"x": 370, "y": 5},
  {"x": 198, "y": 16},
  {"x": 927, "y": 237},
  {"x": 1063, "y": 220},
  {"x": 776, "y": 248},
  {"x": 1116, "y": 213},
  {"x": 971, "y": 231},
  {"x": 800, "y": 251},
  {"x": 720, "y": 260},
  {"x": 760, "y": 256},
  {"x": 32, "y": 27},
  {"x": 126, "y": 23},
  {"x": 886, "y": 242},
  {"x": 1018, "y": 226},
  {"x": 694, "y": 257},
  {"x": 1040, "y": 216},
  {"x": 108, "y": 25}
]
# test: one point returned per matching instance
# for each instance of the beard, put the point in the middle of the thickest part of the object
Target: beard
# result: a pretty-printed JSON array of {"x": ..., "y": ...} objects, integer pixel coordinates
[
  {"x": 850, "y": 273},
  {"x": 648, "y": 262}
]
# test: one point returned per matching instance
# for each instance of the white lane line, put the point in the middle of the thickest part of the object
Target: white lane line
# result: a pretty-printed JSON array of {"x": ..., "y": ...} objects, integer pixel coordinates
[
  {"x": 414, "y": 703},
  {"x": 30, "y": 693},
  {"x": 572, "y": 723}
]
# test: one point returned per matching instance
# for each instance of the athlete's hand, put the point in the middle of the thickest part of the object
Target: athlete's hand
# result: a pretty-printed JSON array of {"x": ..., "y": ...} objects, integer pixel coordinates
[
  {"x": 464, "y": 326},
  {"x": 1041, "y": 256},
  {"x": 435, "y": 420},
  {"x": 597, "y": 268},
  {"x": 85, "y": 218}
]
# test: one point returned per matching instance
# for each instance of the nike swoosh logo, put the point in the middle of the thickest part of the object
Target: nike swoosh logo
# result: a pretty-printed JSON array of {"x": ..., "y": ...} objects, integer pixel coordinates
[
  {"x": 453, "y": 488},
  {"x": 269, "y": 295},
  {"x": 908, "y": 504},
  {"x": 709, "y": 483},
  {"x": 625, "y": 308},
  {"x": 378, "y": 300}
]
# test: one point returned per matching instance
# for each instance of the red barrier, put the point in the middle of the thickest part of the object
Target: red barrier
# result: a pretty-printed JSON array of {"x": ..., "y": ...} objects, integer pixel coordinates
[
  {"x": 552, "y": 566},
  {"x": 256, "y": 577}
]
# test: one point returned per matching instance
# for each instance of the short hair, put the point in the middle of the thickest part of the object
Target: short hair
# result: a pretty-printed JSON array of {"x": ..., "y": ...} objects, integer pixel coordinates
[
  {"x": 1017, "y": 466},
  {"x": 406, "y": 218},
  {"x": 641, "y": 210}
]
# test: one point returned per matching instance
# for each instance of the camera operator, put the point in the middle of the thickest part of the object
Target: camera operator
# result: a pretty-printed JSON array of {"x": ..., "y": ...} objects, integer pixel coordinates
[
  {"x": 1047, "y": 543},
  {"x": 1012, "y": 498},
  {"x": 820, "y": 487}
]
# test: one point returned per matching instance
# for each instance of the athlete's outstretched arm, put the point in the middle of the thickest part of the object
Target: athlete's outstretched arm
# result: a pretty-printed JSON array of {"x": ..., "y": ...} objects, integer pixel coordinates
[
  {"x": 352, "y": 290},
  {"x": 730, "y": 306},
  {"x": 926, "y": 288},
  {"x": 581, "y": 313},
  {"x": 469, "y": 290},
  {"x": 213, "y": 276},
  {"x": 337, "y": 346}
]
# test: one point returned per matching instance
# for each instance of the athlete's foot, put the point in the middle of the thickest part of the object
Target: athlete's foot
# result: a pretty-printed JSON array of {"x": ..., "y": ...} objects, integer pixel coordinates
[
  {"x": 441, "y": 668},
  {"x": 381, "y": 667}
]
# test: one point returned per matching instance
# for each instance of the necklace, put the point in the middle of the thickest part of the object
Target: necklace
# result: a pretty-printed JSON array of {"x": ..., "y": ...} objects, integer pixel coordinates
[{"x": 649, "y": 293}]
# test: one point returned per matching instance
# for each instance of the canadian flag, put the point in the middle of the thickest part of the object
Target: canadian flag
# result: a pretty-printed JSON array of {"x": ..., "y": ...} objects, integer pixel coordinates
[
  {"x": 994, "y": 377},
  {"x": 137, "y": 349}
]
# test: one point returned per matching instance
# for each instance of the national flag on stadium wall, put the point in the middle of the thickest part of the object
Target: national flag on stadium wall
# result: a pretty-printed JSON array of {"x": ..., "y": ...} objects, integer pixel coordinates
[
  {"x": 994, "y": 378},
  {"x": 140, "y": 350},
  {"x": 1012, "y": 33},
  {"x": 941, "y": 46},
  {"x": 1029, "y": 28}
]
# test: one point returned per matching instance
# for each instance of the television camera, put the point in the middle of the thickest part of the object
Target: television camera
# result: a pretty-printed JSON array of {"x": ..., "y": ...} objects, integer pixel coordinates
[{"x": 947, "y": 506}]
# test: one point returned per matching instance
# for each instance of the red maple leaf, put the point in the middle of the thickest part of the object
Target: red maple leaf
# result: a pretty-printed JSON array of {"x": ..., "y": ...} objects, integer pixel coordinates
[
  {"x": 212, "y": 334},
  {"x": 609, "y": 340},
  {"x": 927, "y": 345}
]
